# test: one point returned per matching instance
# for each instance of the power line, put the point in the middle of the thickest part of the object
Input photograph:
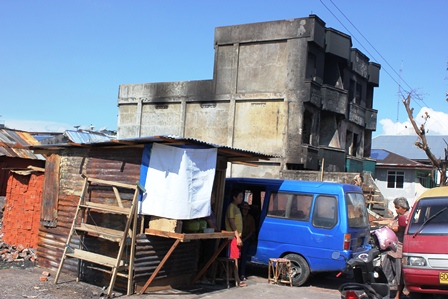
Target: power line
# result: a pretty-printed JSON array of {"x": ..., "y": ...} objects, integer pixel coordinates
[
  {"x": 354, "y": 37},
  {"x": 399, "y": 91},
  {"x": 385, "y": 60}
]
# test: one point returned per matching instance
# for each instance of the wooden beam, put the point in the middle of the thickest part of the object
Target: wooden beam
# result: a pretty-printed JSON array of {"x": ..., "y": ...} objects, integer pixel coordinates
[{"x": 156, "y": 271}]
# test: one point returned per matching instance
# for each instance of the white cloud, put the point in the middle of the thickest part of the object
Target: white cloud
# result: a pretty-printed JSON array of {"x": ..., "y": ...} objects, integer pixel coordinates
[
  {"x": 36, "y": 125},
  {"x": 436, "y": 124}
]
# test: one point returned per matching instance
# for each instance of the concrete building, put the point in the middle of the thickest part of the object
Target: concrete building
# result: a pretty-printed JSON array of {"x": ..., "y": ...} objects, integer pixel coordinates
[{"x": 292, "y": 88}]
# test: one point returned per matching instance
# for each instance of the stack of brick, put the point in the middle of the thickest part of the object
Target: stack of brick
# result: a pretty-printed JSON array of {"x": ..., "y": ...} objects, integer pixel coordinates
[
  {"x": 11, "y": 254},
  {"x": 21, "y": 215}
]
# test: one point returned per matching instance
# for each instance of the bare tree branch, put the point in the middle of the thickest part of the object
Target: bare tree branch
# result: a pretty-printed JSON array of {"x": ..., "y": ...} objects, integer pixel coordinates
[{"x": 423, "y": 142}]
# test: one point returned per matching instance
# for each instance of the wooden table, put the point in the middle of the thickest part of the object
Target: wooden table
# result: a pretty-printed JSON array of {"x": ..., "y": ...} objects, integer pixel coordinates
[{"x": 186, "y": 238}]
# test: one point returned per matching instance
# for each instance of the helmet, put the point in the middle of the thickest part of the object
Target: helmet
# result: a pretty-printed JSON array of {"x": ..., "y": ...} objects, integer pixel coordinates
[{"x": 386, "y": 239}]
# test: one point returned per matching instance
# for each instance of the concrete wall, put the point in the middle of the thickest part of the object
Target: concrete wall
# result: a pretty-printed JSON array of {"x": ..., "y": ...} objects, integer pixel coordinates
[{"x": 267, "y": 95}]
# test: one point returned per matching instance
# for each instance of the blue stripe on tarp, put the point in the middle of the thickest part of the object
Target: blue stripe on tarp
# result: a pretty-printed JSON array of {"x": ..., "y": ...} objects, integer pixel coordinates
[{"x": 144, "y": 167}]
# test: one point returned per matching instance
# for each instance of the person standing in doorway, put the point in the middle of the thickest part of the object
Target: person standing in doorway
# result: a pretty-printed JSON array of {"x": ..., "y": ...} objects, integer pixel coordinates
[
  {"x": 248, "y": 235},
  {"x": 234, "y": 223}
]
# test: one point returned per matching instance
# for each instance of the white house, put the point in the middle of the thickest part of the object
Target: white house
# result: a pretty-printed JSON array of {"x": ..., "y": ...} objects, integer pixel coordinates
[{"x": 415, "y": 170}]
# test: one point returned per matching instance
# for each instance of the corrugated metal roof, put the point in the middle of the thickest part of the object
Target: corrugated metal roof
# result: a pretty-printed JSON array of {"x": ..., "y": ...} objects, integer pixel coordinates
[
  {"x": 404, "y": 145},
  {"x": 16, "y": 144},
  {"x": 385, "y": 158},
  {"x": 230, "y": 152},
  {"x": 77, "y": 137}
]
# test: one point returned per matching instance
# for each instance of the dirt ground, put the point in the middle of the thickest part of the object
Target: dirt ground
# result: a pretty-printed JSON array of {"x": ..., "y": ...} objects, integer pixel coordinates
[{"x": 23, "y": 281}]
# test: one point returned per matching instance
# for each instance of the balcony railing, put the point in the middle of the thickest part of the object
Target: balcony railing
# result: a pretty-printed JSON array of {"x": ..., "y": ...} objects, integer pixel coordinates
[
  {"x": 357, "y": 114},
  {"x": 334, "y": 99},
  {"x": 370, "y": 119}
]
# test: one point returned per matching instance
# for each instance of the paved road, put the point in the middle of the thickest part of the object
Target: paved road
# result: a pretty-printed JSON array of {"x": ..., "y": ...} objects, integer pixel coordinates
[{"x": 321, "y": 286}]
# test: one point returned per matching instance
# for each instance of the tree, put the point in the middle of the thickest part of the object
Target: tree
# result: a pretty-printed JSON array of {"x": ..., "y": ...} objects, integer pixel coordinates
[{"x": 422, "y": 143}]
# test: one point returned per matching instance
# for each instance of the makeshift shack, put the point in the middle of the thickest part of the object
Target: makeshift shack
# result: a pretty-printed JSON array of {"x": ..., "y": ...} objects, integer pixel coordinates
[
  {"x": 21, "y": 181},
  {"x": 158, "y": 256},
  {"x": 14, "y": 154}
]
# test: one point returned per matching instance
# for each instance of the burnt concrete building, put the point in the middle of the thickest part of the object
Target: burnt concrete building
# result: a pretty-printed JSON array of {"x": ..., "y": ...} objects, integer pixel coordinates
[{"x": 293, "y": 88}]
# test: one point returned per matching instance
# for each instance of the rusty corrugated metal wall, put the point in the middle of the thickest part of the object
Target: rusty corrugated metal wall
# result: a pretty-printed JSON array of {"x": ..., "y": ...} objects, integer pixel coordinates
[
  {"x": 112, "y": 164},
  {"x": 178, "y": 269}
]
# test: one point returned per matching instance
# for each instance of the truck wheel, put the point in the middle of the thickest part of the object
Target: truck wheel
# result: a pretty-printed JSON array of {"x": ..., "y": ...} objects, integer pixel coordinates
[
  {"x": 299, "y": 269},
  {"x": 413, "y": 295}
]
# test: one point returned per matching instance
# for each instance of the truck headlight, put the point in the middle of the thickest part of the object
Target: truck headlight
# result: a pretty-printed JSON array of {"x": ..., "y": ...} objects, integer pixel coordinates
[{"x": 415, "y": 261}]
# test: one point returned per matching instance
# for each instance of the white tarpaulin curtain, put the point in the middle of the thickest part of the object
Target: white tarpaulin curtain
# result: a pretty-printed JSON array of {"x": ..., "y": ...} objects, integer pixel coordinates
[{"x": 179, "y": 182}]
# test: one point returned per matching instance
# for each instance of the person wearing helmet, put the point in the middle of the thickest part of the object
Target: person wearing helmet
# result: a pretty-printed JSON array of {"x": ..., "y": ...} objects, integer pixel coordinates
[{"x": 392, "y": 261}]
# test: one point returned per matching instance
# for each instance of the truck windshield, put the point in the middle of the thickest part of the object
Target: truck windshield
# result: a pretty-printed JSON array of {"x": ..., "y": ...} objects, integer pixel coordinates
[
  {"x": 433, "y": 209},
  {"x": 356, "y": 210}
]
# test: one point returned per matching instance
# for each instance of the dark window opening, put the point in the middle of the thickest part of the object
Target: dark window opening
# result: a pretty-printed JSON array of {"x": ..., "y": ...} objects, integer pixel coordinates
[
  {"x": 311, "y": 67},
  {"x": 306, "y": 127},
  {"x": 395, "y": 179},
  {"x": 351, "y": 91},
  {"x": 294, "y": 166},
  {"x": 358, "y": 93},
  {"x": 355, "y": 145}
]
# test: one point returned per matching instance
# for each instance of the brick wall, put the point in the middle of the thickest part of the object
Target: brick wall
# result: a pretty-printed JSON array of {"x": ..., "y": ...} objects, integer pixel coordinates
[{"x": 21, "y": 217}]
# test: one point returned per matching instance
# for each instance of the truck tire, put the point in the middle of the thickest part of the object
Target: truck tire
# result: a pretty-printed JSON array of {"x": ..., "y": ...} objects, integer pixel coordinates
[{"x": 299, "y": 268}]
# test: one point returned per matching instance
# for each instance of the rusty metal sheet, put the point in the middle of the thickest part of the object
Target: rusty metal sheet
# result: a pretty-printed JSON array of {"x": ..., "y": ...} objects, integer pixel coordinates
[
  {"x": 16, "y": 144},
  {"x": 150, "y": 250},
  {"x": 48, "y": 213}
]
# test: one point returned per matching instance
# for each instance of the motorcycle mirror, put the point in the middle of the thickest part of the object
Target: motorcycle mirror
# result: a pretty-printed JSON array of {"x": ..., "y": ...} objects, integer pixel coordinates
[{"x": 335, "y": 255}]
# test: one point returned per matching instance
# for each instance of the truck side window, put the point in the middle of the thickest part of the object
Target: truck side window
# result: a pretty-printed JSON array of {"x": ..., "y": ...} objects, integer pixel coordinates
[
  {"x": 277, "y": 205},
  {"x": 290, "y": 206},
  {"x": 325, "y": 212},
  {"x": 300, "y": 210}
]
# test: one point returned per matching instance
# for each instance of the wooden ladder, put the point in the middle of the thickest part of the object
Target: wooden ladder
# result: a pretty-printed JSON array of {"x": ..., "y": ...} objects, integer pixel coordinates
[{"x": 114, "y": 265}]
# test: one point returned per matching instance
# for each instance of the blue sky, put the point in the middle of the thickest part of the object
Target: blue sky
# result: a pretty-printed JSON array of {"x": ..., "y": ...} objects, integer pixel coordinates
[{"x": 61, "y": 62}]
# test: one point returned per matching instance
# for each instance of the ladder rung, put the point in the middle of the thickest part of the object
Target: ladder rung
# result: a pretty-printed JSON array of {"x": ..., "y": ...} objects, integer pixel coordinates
[
  {"x": 121, "y": 274},
  {"x": 111, "y": 183},
  {"x": 95, "y": 258},
  {"x": 102, "y": 232},
  {"x": 119, "y": 265},
  {"x": 107, "y": 208}
]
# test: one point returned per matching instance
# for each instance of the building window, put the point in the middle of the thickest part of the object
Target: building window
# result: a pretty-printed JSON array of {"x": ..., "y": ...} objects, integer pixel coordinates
[
  {"x": 424, "y": 178},
  {"x": 355, "y": 145},
  {"x": 355, "y": 92},
  {"x": 358, "y": 93},
  {"x": 395, "y": 179},
  {"x": 306, "y": 127},
  {"x": 311, "y": 67}
]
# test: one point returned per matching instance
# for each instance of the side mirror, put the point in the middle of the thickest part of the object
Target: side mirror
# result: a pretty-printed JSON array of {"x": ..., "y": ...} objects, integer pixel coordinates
[{"x": 402, "y": 220}]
